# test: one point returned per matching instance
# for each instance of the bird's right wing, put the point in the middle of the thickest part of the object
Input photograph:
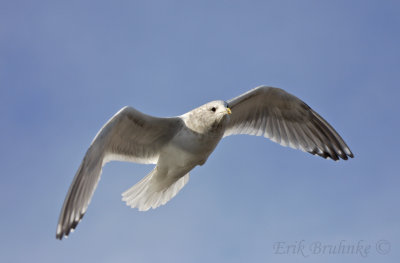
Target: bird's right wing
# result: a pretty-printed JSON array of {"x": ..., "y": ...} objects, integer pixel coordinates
[
  {"x": 128, "y": 136},
  {"x": 287, "y": 120}
]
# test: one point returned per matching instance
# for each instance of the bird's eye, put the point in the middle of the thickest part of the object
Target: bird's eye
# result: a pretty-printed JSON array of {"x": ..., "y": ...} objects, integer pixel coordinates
[{"x": 213, "y": 109}]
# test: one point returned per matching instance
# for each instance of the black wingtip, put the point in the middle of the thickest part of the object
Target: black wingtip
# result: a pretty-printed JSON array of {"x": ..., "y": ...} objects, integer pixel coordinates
[
  {"x": 60, "y": 235},
  {"x": 64, "y": 232},
  {"x": 333, "y": 155}
]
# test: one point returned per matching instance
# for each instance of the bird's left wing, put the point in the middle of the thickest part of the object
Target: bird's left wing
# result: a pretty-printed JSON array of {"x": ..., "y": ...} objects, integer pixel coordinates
[
  {"x": 128, "y": 136},
  {"x": 285, "y": 119}
]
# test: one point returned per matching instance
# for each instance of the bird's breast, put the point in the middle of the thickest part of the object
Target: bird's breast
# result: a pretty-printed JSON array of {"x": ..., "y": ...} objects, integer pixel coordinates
[{"x": 190, "y": 148}]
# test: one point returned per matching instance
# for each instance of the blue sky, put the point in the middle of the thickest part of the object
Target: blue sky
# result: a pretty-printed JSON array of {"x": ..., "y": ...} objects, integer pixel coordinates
[{"x": 67, "y": 66}]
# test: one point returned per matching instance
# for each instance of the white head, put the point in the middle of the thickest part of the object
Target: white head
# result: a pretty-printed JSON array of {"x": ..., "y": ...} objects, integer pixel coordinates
[{"x": 209, "y": 117}]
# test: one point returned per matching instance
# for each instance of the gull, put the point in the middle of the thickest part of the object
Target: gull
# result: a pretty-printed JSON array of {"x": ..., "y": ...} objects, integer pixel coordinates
[{"x": 178, "y": 144}]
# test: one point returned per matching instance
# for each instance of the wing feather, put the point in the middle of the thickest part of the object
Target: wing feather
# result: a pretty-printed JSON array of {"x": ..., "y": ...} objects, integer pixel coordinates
[
  {"x": 285, "y": 119},
  {"x": 129, "y": 136}
]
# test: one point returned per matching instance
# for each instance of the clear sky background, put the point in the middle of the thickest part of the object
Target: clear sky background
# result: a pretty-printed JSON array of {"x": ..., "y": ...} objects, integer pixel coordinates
[{"x": 67, "y": 66}]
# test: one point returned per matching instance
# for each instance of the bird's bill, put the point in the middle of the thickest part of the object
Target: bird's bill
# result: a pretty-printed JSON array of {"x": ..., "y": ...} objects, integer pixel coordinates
[{"x": 228, "y": 110}]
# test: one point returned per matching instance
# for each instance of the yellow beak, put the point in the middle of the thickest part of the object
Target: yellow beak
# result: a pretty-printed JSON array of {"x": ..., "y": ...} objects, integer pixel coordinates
[{"x": 229, "y": 111}]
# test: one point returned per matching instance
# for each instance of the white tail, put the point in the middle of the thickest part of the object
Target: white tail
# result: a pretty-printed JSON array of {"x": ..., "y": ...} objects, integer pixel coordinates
[{"x": 143, "y": 196}]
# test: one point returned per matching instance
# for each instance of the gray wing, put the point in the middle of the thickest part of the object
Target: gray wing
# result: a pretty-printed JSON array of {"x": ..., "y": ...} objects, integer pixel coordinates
[
  {"x": 285, "y": 119},
  {"x": 128, "y": 136}
]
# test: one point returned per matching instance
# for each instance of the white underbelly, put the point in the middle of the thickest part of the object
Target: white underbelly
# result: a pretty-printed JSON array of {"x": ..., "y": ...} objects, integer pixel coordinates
[
  {"x": 187, "y": 149},
  {"x": 173, "y": 155}
]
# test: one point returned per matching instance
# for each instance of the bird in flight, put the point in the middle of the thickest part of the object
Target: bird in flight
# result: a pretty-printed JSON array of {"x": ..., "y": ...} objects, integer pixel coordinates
[{"x": 177, "y": 144}]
